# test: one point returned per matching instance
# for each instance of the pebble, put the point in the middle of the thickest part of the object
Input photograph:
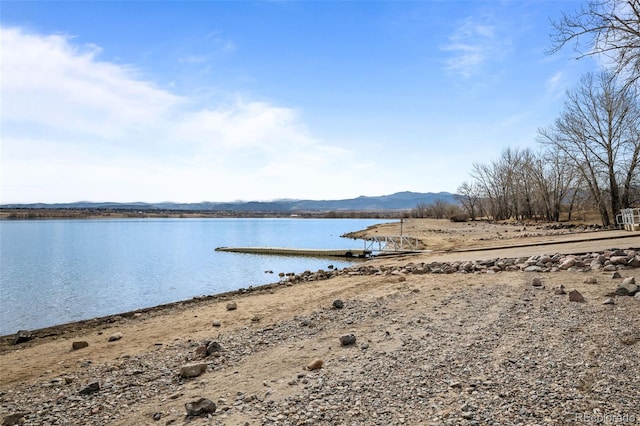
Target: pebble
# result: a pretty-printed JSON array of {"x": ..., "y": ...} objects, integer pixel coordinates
[
  {"x": 90, "y": 388},
  {"x": 627, "y": 288},
  {"x": 115, "y": 336},
  {"x": 576, "y": 296},
  {"x": 347, "y": 339},
  {"x": 14, "y": 419},
  {"x": 213, "y": 347},
  {"x": 22, "y": 336},
  {"x": 200, "y": 406},
  {"x": 232, "y": 306},
  {"x": 192, "y": 370},
  {"x": 79, "y": 345},
  {"x": 560, "y": 290},
  {"x": 316, "y": 364}
]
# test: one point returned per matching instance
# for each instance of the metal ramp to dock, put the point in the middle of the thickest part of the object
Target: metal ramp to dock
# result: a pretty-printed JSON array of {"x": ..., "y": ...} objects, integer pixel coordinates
[
  {"x": 387, "y": 244},
  {"x": 629, "y": 219}
]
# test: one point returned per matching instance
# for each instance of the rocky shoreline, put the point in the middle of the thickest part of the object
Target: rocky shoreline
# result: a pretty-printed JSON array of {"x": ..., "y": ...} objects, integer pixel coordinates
[
  {"x": 509, "y": 346},
  {"x": 610, "y": 260}
]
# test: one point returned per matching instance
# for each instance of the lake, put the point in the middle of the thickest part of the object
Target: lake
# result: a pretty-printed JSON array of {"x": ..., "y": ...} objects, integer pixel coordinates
[{"x": 58, "y": 271}]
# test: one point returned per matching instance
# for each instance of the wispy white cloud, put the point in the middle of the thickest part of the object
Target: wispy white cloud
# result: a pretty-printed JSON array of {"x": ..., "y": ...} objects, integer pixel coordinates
[
  {"x": 474, "y": 44},
  {"x": 194, "y": 59},
  {"x": 556, "y": 85},
  {"x": 228, "y": 46},
  {"x": 222, "y": 43},
  {"x": 78, "y": 128}
]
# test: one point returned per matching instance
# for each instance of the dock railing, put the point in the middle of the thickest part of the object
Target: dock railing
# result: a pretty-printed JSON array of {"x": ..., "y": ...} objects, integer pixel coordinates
[
  {"x": 629, "y": 219},
  {"x": 391, "y": 243}
]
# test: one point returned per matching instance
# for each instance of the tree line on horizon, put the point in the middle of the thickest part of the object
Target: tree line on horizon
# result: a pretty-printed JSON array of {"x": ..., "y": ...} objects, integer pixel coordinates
[{"x": 588, "y": 157}]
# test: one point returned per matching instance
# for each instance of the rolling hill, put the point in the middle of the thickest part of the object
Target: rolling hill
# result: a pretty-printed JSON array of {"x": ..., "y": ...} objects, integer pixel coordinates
[{"x": 399, "y": 201}]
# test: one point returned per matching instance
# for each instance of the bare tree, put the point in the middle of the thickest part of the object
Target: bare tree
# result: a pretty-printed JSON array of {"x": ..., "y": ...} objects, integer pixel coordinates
[
  {"x": 522, "y": 196},
  {"x": 555, "y": 181},
  {"x": 509, "y": 182},
  {"x": 604, "y": 27},
  {"x": 599, "y": 132},
  {"x": 439, "y": 209},
  {"x": 504, "y": 186},
  {"x": 487, "y": 177},
  {"x": 420, "y": 211},
  {"x": 468, "y": 195}
]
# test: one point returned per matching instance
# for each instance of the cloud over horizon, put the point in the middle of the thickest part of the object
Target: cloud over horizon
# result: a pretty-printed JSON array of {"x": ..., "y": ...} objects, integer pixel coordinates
[{"x": 101, "y": 131}]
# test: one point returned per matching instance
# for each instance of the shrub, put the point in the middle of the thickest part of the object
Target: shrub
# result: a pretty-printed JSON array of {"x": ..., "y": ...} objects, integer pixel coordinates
[{"x": 459, "y": 217}]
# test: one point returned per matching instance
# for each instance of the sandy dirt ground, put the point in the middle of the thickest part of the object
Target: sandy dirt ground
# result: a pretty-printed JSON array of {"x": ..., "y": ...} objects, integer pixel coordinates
[{"x": 47, "y": 358}]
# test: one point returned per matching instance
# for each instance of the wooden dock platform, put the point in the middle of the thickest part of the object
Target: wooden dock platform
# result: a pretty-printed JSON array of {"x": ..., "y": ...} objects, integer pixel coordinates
[{"x": 283, "y": 251}]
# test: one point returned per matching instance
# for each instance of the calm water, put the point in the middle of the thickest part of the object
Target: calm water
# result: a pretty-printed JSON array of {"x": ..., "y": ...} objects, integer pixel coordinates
[{"x": 57, "y": 271}]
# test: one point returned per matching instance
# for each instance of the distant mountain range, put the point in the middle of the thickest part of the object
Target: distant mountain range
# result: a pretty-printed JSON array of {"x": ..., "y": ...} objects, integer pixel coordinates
[{"x": 398, "y": 201}]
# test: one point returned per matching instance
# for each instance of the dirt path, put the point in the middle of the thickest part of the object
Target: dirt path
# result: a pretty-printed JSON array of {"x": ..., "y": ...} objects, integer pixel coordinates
[{"x": 567, "y": 244}]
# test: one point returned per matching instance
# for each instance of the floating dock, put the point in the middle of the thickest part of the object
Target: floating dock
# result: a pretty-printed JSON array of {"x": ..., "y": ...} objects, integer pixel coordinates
[{"x": 283, "y": 251}]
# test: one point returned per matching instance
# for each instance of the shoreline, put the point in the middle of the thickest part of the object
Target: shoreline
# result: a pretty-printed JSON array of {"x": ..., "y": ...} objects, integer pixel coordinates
[
  {"x": 6, "y": 340},
  {"x": 208, "y": 281},
  {"x": 39, "y": 334},
  {"x": 64, "y": 328}
]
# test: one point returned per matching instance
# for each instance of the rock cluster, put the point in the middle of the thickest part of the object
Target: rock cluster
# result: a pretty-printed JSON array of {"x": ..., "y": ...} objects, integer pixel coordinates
[{"x": 610, "y": 260}]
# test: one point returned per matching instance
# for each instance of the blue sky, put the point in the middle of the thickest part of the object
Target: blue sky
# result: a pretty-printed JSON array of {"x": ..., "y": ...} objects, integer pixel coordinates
[{"x": 220, "y": 100}]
